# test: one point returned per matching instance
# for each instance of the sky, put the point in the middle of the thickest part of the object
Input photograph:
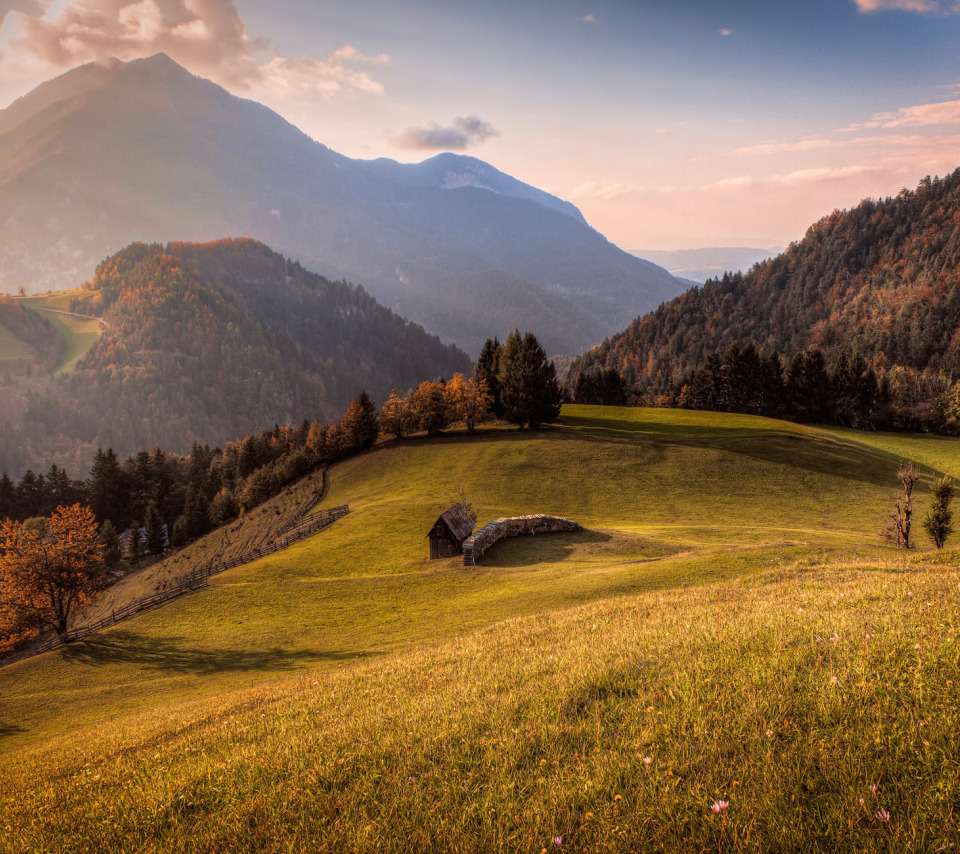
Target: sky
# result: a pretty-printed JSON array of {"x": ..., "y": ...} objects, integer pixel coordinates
[{"x": 670, "y": 123}]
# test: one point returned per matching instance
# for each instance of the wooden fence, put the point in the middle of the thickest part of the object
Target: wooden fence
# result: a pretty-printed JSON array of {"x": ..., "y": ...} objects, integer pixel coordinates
[{"x": 199, "y": 577}]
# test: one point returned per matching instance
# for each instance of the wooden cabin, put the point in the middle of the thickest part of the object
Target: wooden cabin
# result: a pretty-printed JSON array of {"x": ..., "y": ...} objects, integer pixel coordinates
[{"x": 449, "y": 531}]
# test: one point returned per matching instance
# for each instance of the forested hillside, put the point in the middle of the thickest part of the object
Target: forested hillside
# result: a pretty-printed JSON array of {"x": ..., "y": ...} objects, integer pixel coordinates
[
  {"x": 207, "y": 343},
  {"x": 881, "y": 280}
]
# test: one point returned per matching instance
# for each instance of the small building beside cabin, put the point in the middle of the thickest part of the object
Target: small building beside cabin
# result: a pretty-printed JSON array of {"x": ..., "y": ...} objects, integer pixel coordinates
[{"x": 452, "y": 527}]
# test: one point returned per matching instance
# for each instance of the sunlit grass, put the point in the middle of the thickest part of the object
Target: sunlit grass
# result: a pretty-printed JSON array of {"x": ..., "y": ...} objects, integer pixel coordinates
[
  {"x": 78, "y": 333},
  {"x": 614, "y": 726},
  {"x": 348, "y": 694}
]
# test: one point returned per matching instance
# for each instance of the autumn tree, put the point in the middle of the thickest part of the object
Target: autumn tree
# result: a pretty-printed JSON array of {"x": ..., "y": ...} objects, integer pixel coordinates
[
  {"x": 468, "y": 400},
  {"x": 48, "y": 571},
  {"x": 395, "y": 416},
  {"x": 429, "y": 406}
]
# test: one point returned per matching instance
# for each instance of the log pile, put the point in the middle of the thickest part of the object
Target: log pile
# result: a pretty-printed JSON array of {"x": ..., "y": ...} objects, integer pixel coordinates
[{"x": 475, "y": 546}]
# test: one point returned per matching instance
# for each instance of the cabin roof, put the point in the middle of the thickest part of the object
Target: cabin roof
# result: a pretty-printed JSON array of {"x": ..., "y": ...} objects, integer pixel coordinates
[{"x": 458, "y": 521}]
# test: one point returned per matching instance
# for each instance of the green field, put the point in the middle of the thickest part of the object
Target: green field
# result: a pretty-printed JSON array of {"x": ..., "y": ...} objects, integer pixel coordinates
[
  {"x": 12, "y": 347},
  {"x": 79, "y": 334},
  {"x": 291, "y": 703}
]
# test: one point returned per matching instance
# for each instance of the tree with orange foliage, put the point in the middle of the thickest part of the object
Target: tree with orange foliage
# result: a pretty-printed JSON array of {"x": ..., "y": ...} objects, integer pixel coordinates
[
  {"x": 49, "y": 569},
  {"x": 469, "y": 400}
]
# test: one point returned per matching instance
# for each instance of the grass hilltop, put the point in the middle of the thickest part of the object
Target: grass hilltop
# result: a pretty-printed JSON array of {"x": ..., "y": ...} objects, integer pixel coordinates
[{"x": 727, "y": 658}]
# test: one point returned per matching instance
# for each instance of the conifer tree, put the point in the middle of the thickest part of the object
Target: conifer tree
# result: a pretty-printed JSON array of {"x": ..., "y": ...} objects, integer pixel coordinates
[
  {"x": 135, "y": 544},
  {"x": 110, "y": 543},
  {"x": 488, "y": 370},
  {"x": 938, "y": 521},
  {"x": 156, "y": 531},
  {"x": 359, "y": 424},
  {"x": 529, "y": 391}
]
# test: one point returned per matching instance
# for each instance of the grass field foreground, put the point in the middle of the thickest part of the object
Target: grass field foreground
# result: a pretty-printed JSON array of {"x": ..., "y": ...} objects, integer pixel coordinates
[{"x": 818, "y": 704}]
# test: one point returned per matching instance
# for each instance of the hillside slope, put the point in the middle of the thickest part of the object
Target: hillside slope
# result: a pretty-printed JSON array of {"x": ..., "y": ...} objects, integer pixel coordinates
[
  {"x": 882, "y": 278},
  {"x": 208, "y": 342},
  {"x": 108, "y": 154},
  {"x": 527, "y": 699}
]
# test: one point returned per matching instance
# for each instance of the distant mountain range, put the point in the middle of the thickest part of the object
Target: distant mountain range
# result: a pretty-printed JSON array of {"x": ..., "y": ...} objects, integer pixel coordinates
[
  {"x": 114, "y": 152},
  {"x": 882, "y": 279},
  {"x": 202, "y": 343},
  {"x": 698, "y": 265}
]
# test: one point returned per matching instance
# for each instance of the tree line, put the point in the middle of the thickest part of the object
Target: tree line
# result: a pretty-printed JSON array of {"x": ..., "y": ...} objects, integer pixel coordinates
[
  {"x": 879, "y": 280},
  {"x": 159, "y": 499}
]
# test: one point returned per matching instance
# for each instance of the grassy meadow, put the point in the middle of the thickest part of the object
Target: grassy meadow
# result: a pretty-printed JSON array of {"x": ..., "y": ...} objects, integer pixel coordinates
[
  {"x": 79, "y": 334},
  {"x": 12, "y": 347},
  {"x": 727, "y": 628}
]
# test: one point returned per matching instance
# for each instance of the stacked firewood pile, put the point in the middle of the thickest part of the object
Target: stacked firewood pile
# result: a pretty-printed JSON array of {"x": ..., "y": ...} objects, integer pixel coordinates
[{"x": 475, "y": 546}]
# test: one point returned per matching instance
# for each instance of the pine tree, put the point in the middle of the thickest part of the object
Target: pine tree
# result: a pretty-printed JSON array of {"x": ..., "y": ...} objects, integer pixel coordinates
[
  {"x": 938, "y": 520},
  {"x": 529, "y": 391},
  {"x": 107, "y": 493},
  {"x": 156, "y": 530},
  {"x": 360, "y": 425},
  {"x": 110, "y": 543},
  {"x": 135, "y": 544},
  {"x": 8, "y": 498},
  {"x": 488, "y": 370}
]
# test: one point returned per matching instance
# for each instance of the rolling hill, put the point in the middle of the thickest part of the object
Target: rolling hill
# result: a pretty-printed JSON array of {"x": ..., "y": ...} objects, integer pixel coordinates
[
  {"x": 727, "y": 627},
  {"x": 191, "y": 342},
  {"x": 116, "y": 152},
  {"x": 882, "y": 279}
]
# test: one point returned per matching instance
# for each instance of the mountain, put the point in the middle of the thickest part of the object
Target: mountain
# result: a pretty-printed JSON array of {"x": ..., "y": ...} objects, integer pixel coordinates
[
  {"x": 144, "y": 151},
  {"x": 882, "y": 279},
  {"x": 698, "y": 265},
  {"x": 204, "y": 343}
]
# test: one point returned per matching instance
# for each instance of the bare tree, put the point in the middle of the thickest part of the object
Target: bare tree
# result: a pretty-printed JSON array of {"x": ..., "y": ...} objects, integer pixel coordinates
[
  {"x": 464, "y": 501},
  {"x": 897, "y": 530}
]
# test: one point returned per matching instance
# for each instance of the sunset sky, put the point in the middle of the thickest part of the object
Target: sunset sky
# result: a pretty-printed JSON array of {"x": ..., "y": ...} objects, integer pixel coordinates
[{"x": 670, "y": 123}]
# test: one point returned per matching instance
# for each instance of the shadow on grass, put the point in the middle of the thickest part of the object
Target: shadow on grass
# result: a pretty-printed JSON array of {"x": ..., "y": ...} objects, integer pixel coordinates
[
  {"x": 172, "y": 655},
  {"x": 10, "y": 729},
  {"x": 542, "y": 548}
]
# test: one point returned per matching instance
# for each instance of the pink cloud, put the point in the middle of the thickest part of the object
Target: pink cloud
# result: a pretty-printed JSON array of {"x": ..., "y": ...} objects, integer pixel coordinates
[
  {"x": 206, "y": 36},
  {"x": 922, "y": 7}
]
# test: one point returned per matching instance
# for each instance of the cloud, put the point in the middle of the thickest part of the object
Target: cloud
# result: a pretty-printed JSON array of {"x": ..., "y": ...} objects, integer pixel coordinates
[
  {"x": 799, "y": 177},
  {"x": 595, "y": 191},
  {"x": 725, "y": 32},
  {"x": 765, "y": 148},
  {"x": 29, "y": 7},
  {"x": 458, "y": 135},
  {"x": 922, "y": 7},
  {"x": 590, "y": 19},
  {"x": 206, "y": 36},
  {"x": 923, "y": 115}
]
